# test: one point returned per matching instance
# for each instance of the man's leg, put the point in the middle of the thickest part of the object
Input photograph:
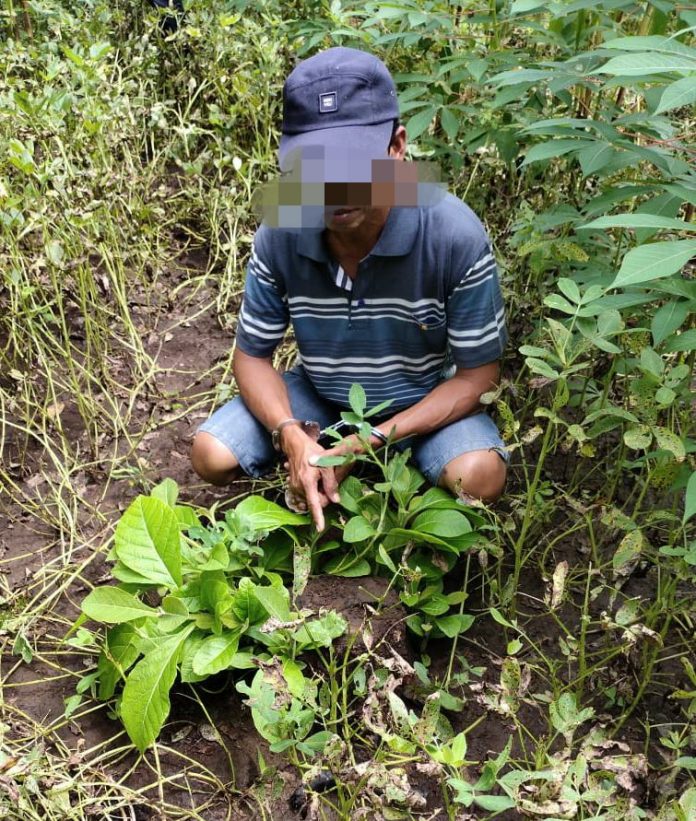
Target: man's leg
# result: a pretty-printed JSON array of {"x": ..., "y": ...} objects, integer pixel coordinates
[
  {"x": 232, "y": 441},
  {"x": 212, "y": 460},
  {"x": 467, "y": 458},
  {"x": 479, "y": 474}
]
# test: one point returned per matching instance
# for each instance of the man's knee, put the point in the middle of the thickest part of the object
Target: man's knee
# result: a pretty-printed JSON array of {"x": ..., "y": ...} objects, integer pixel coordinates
[
  {"x": 479, "y": 473},
  {"x": 213, "y": 461}
]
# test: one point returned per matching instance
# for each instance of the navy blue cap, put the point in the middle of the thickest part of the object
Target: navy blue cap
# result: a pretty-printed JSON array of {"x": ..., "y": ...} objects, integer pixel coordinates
[{"x": 341, "y": 99}]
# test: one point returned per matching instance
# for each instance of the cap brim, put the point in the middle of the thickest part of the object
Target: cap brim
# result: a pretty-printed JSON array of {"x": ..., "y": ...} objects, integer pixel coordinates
[{"x": 341, "y": 154}]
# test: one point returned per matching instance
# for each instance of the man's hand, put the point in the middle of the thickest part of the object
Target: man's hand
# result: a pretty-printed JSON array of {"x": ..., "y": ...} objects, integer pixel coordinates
[{"x": 315, "y": 485}]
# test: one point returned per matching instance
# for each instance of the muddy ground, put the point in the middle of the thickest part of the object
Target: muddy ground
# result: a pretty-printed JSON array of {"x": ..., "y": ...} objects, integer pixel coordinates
[{"x": 214, "y": 774}]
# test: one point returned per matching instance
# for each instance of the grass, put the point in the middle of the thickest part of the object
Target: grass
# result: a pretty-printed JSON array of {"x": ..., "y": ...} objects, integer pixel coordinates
[{"x": 127, "y": 169}]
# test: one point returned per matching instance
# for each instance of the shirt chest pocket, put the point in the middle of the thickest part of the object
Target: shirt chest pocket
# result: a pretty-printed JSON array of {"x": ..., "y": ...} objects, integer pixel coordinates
[{"x": 429, "y": 319}]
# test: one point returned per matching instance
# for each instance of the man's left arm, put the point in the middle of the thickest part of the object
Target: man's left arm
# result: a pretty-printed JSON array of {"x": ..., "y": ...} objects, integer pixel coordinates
[{"x": 450, "y": 401}]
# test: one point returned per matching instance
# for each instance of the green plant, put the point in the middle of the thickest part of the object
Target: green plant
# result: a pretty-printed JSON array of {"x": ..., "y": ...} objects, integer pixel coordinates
[{"x": 218, "y": 601}]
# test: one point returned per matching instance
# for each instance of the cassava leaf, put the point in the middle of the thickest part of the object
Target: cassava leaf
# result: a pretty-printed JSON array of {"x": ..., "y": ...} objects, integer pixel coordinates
[
  {"x": 654, "y": 261},
  {"x": 636, "y": 65},
  {"x": 668, "y": 318},
  {"x": 680, "y": 93},
  {"x": 637, "y": 220}
]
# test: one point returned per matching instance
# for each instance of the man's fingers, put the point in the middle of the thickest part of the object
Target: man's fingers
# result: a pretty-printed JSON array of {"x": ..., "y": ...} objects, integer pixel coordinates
[
  {"x": 314, "y": 504},
  {"x": 329, "y": 484}
]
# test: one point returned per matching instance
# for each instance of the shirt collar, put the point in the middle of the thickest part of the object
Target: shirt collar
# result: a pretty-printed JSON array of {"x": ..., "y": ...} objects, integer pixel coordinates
[{"x": 396, "y": 240}]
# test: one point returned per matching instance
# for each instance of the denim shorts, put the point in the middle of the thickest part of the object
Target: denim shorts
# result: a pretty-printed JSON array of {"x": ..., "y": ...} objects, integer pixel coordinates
[{"x": 237, "y": 429}]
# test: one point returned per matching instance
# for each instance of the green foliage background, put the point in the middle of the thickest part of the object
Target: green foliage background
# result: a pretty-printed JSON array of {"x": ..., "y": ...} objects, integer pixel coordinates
[{"x": 567, "y": 126}]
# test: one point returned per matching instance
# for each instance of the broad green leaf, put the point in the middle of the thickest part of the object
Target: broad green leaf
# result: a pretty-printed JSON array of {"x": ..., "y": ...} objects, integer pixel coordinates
[
  {"x": 127, "y": 576},
  {"x": 651, "y": 362},
  {"x": 320, "y": 632},
  {"x": 637, "y": 65},
  {"x": 188, "y": 653},
  {"x": 669, "y": 441},
  {"x": 114, "y": 606},
  {"x": 187, "y": 516},
  {"x": 687, "y": 803},
  {"x": 677, "y": 94},
  {"x": 145, "y": 702},
  {"x": 434, "y": 605},
  {"x": 292, "y": 673},
  {"x": 595, "y": 157},
  {"x": 628, "y": 553},
  {"x": 517, "y": 76},
  {"x": 385, "y": 559},
  {"x": 542, "y": 368},
  {"x": 450, "y": 122},
  {"x": 654, "y": 261},
  {"x": 690, "y": 498},
  {"x": 215, "y": 653},
  {"x": 638, "y": 438},
  {"x": 451, "y": 626},
  {"x": 559, "y": 303},
  {"x": 443, "y": 523},
  {"x": 245, "y": 604},
  {"x": 357, "y": 529},
  {"x": 167, "y": 490},
  {"x": 688, "y": 762},
  {"x": 262, "y": 514},
  {"x": 570, "y": 288},
  {"x": 668, "y": 318},
  {"x": 351, "y": 492},
  {"x": 99, "y": 50},
  {"x": 275, "y": 601},
  {"x": 420, "y": 121},
  {"x": 564, "y": 713},
  {"x": 301, "y": 567},
  {"x": 498, "y": 616},
  {"x": 147, "y": 541},
  {"x": 117, "y": 656},
  {"x": 685, "y": 341},
  {"x": 494, "y": 803},
  {"x": 347, "y": 567},
  {"x": 400, "y": 535},
  {"x": 552, "y": 148},
  {"x": 357, "y": 398},
  {"x": 525, "y": 6},
  {"x": 651, "y": 42},
  {"x": 637, "y": 220}
]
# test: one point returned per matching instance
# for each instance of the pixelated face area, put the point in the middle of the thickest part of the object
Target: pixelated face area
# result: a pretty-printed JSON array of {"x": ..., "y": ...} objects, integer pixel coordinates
[{"x": 318, "y": 185}]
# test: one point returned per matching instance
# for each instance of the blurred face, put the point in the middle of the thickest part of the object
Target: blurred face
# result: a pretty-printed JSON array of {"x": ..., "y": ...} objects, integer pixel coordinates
[
  {"x": 310, "y": 193},
  {"x": 347, "y": 206}
]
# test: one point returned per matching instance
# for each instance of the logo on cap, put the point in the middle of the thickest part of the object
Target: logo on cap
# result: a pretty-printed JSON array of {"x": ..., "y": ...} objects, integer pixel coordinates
[{"x": 328, "y": 102}]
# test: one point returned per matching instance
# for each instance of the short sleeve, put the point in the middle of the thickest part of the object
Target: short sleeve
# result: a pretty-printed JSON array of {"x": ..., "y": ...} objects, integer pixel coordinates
[
  {"x": 264, "y": 316},
  {"x": 475, "y": 314}
]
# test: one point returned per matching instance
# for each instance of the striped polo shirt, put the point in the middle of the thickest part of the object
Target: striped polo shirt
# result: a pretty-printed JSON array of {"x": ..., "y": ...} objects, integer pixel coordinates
[{"x": 426, "y": 295}]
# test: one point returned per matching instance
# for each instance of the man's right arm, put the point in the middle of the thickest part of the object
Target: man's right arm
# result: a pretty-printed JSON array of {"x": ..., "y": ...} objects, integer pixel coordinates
[{"x": 265, "y": 394}]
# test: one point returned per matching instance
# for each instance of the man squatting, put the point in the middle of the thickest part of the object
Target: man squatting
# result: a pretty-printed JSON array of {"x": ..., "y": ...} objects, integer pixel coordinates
[{"x": 378, "y": 293}]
